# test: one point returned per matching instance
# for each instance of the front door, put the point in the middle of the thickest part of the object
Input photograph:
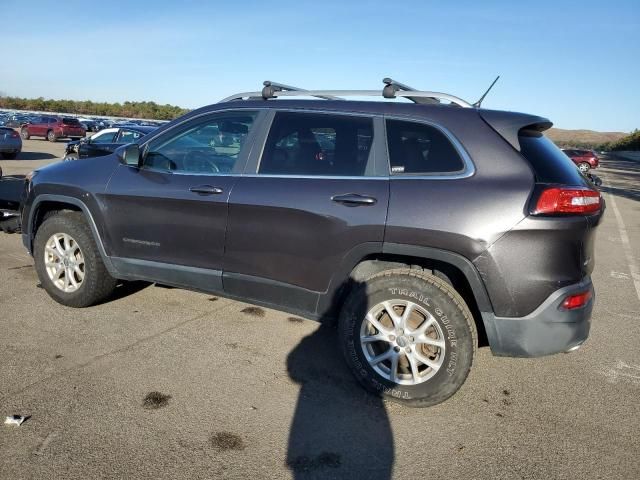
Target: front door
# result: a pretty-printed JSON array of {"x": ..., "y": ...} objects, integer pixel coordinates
[
  {"x": 313, "y": 199},
  {"x": 172, "y": 211},
  {"x": 95, "y": 145}
]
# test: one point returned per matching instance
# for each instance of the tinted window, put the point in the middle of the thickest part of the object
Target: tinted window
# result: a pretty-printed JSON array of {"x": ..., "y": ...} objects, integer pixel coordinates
[
  {"x": 317, "y": 144},
  {"x": 550, "y": 164},
  {"x": 416, "y": 148},
  {"x": 70, "y": 121},
  {"x": 211, "y": 146},
  {"x": 103, "y": 137}
]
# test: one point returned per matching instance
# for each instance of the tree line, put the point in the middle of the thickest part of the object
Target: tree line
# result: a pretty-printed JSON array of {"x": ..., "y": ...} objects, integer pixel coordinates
[
  {"x": 630, "y": 142},
  {"x": 148, "y": 110}
]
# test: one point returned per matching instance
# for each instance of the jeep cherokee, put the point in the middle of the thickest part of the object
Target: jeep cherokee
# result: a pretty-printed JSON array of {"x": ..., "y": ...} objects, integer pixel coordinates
[{"x": 421, "y": 228}]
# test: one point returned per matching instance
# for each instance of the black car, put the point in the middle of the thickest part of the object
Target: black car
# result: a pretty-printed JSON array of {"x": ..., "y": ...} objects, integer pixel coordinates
[
  {"x": 104, "y": 142},
  {"x": 421, "y": 228}
]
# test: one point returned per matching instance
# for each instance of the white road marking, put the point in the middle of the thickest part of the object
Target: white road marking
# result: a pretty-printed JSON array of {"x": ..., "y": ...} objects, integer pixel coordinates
[
  {"x": 623, "y": 371},
  {"x": 626, "y": 246},
  {"x": 620, "y": 275}
]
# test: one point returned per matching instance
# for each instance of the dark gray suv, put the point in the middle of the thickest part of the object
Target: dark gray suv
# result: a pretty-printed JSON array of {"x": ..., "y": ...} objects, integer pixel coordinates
[{"x": 423, "y": 228}]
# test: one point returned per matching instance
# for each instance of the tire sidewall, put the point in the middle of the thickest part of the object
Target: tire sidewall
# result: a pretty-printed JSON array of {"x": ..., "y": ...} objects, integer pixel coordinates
[
  {"x": 62, "y": 223},
  {"x": 458, "y": 336}
]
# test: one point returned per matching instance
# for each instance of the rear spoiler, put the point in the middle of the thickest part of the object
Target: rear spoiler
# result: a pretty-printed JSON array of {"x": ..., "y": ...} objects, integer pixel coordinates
[{"x": 509, "y": 124}]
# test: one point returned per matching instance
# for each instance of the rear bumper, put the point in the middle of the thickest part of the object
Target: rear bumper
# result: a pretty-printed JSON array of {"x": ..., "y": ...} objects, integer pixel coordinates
[{"x": 546, "y": 330}]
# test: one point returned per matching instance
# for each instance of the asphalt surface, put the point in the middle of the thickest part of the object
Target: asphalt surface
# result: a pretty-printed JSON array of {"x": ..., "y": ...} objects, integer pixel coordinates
[{"x": 261, "y": 394}]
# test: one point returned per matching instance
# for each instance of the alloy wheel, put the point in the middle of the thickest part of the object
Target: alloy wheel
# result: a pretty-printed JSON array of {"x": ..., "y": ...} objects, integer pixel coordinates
[
  {"x": 402, "y": 342},
  {"x": 64, "y": 262}
]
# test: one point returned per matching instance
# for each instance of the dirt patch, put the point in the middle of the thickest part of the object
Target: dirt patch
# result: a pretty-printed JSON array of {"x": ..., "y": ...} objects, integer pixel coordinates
[
  {"x": 155, "y": 400},
  {"x": 322, "y": 461},
  {"x": 213, "y": 299},
  {"x": 59, "y": 356},
  {"x": 295, "y": 319},
  {"x": 253, "y": 311},
  {"x": 223, "y": 441}
]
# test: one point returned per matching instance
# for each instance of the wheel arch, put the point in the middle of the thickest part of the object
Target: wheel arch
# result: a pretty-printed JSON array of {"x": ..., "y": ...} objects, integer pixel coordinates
[
  {"x": 48, "y": 204},
  {"x": 449, "y": 266}
]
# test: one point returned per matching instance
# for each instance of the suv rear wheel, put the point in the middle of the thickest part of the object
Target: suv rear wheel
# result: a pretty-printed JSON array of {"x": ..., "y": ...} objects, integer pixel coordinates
[
  {"x": 68, "y": 262},
  {"x": 584, "y": 167},
  {"x": 409, "y": 336},
  {"x": 51, "y": 136}
]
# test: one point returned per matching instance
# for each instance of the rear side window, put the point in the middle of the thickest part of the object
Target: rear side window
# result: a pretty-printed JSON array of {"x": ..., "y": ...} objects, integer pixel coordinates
[
  {"x": 550, "y": 164},
  {"x": 416, "y": 148},
  {"x": 70, "y": 121},
  {"x": 317, "y": 144}
]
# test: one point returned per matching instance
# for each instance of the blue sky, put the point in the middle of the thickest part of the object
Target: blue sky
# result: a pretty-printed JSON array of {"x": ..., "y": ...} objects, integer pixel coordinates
[{"x": 577, "y": 63}]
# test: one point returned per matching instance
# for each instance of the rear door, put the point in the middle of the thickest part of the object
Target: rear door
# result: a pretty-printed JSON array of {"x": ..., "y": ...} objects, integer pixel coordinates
[
  {"x": 309, "y": 200},
  {"x": 173, "y": 209}
]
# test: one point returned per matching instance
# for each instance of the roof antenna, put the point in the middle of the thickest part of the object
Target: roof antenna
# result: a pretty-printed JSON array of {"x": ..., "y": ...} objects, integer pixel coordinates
[{"x": 479, "y": 102}]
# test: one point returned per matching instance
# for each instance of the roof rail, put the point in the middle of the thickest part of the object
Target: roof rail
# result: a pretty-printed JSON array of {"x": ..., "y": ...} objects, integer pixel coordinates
[
  {"x": 270, "y": 88},
  {"x": 392, "y": 89}
]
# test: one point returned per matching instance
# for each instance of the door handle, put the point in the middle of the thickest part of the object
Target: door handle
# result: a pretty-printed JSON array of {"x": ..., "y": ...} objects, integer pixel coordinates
[
  {"x": 353, "y": 199},
  {"x": 206, "y": 190}
]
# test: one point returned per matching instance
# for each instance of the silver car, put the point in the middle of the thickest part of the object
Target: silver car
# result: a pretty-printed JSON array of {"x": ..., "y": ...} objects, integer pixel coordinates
[{"x": 10, "y": 143}]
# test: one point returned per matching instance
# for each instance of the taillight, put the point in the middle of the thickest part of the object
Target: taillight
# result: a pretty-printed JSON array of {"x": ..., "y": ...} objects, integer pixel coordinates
[
  {"x": 578, "y": 300},
  {"x": 559, "y": 200}
]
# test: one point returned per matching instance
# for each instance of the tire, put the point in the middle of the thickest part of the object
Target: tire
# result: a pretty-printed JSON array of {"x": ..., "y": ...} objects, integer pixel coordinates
[
  {"x": 96, "y": 285},
  {"x": 24, "y": 133},
  {"x": 10, "y": 156},
  {"x": 435, "y": 304},
  {"x": 51, "y": 136},
  {"x": 71, "y": 156},
  {"x": 584, "y": 167}
]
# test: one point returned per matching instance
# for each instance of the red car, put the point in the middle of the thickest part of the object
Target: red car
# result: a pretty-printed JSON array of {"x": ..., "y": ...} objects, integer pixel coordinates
[
  {"x": 53, "y": 128},
  {"x": 584, "y": 159}
]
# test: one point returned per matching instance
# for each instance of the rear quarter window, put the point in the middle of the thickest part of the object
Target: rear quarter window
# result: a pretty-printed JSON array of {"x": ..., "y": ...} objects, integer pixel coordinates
[
  {"x": 550, "y": 164},
  {"x": 419, "y": 149}
]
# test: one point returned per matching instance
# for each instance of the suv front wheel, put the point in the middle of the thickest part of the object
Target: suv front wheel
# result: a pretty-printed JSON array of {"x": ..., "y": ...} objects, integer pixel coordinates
[
  {"x": 68, "y": 262},
  {"x": 409, "y": 336}
]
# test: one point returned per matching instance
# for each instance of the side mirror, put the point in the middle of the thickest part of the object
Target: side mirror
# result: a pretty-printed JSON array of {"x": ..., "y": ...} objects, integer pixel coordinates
[{"x": 130, "y": 154}]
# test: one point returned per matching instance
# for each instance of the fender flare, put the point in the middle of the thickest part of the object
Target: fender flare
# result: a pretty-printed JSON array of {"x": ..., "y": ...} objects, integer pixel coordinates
[
  {"x": 47, "y": 197},
  {"x": 356, "y": 255}
]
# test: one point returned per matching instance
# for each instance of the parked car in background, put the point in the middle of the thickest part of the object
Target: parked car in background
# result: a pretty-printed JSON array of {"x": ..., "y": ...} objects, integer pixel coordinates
[
  {"x": 53, "y": 128},
  {"x": 584, "y": 159},
  {"x": 10, "y": 143},
  {"x": 104, "y": 142},
  {"x": 16, "y": 120},
  {"x": 90, "y": 125}
]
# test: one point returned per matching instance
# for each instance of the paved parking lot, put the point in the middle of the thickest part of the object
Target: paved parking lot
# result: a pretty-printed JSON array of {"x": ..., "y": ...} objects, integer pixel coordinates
[{"x": 260, "y": 394}]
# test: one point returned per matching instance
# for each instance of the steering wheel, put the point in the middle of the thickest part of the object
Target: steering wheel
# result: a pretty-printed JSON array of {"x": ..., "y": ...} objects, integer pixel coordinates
[{"x": 198, "y": 161}]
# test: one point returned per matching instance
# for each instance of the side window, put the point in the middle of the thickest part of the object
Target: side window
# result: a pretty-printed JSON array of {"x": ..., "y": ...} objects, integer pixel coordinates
[
  {"x": 416, "y": 148},
  {"x": 128, "y": 136},
  {"x": 207, "y": 147},
  {"x": 103, "y": 137},
  {"x": 317, "y": 144}
]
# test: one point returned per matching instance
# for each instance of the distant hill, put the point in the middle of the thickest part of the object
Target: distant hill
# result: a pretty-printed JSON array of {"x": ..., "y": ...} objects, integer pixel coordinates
[{"x": 582, "y": 138}]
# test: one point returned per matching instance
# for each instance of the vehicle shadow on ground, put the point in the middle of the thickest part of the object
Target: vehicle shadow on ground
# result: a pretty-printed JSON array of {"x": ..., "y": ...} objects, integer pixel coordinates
[
  {"x": 338, "y": 429},
  {"x": 35, "y": 156},
  {"x": 624, "y": 174}
]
